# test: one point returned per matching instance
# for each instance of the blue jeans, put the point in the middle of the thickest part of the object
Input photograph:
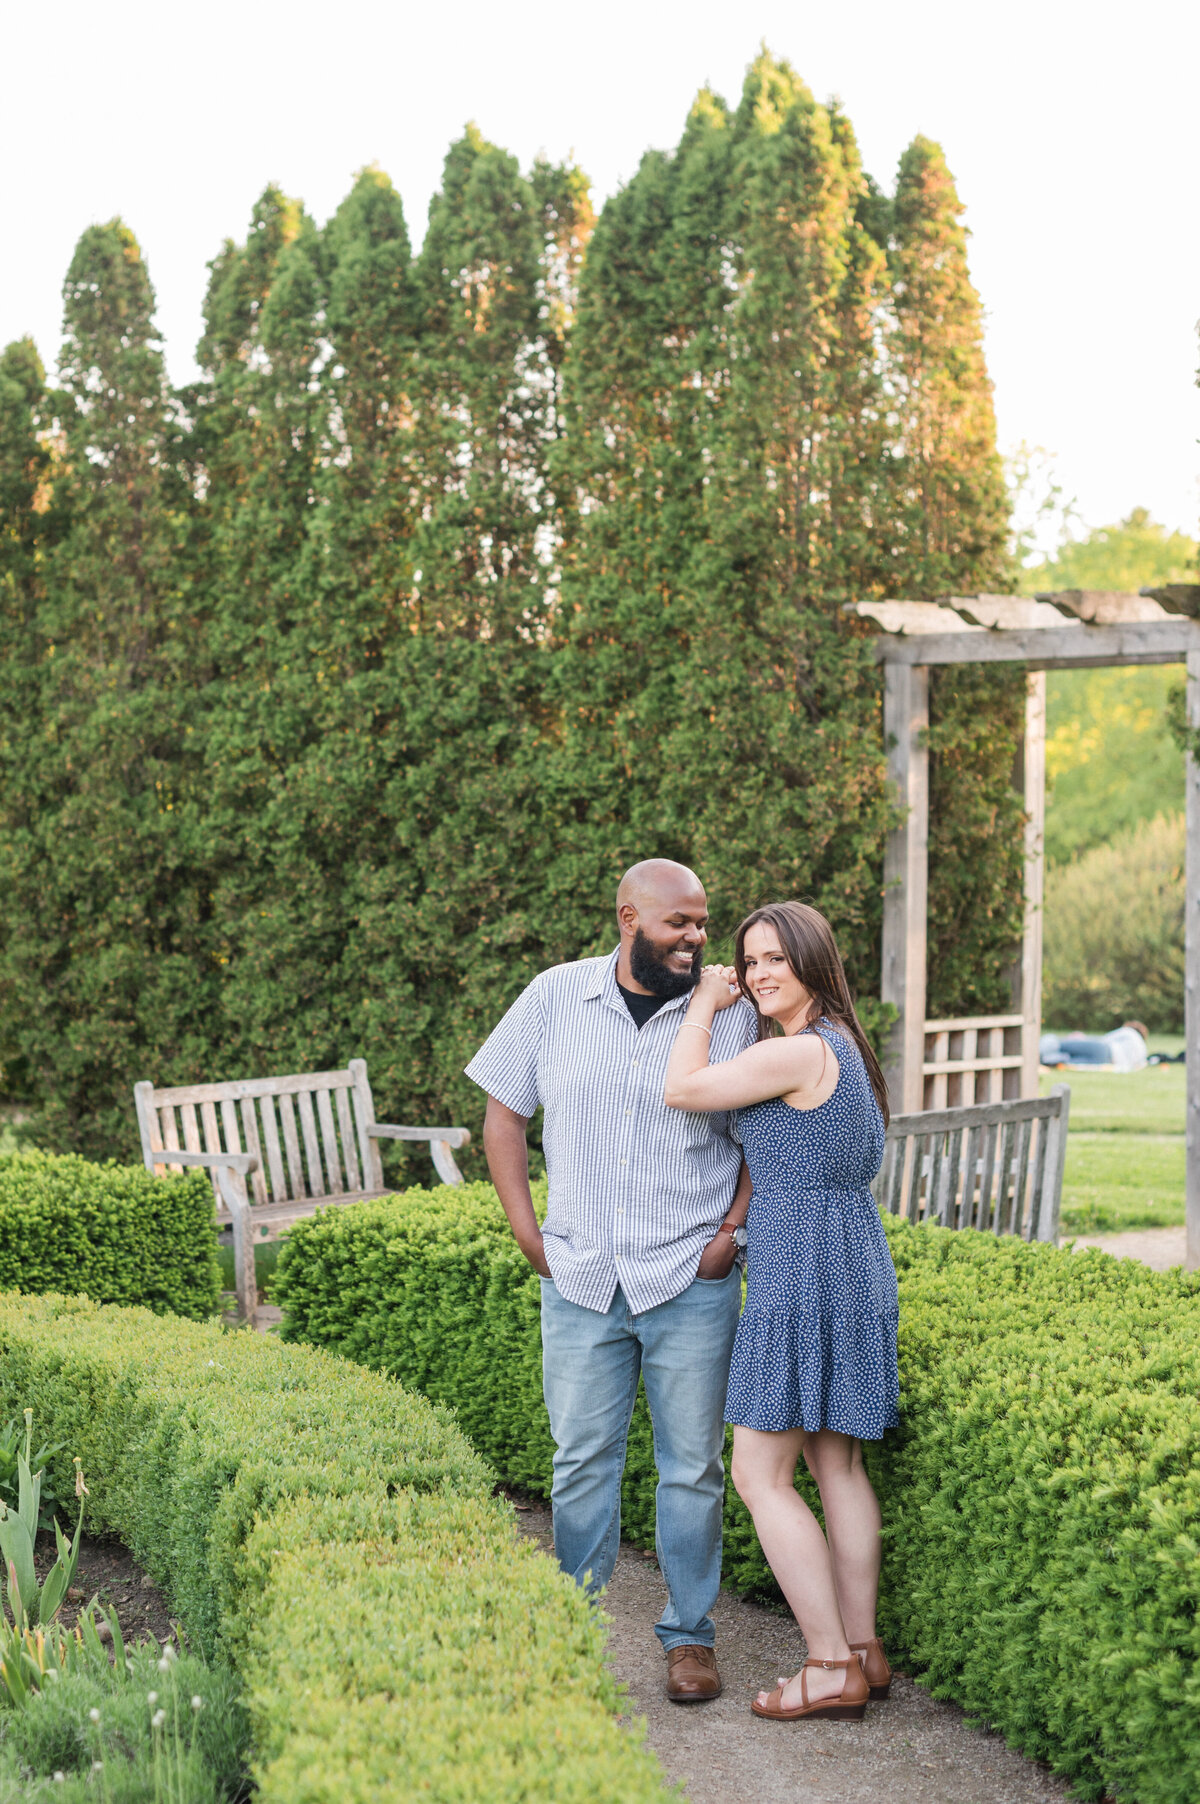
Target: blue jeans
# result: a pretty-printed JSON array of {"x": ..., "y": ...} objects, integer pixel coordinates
[{"x": 590, "y": 1367}]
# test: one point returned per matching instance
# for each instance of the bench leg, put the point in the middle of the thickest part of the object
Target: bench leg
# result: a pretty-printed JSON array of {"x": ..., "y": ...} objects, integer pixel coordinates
[{"x": 238, "y": 1204}]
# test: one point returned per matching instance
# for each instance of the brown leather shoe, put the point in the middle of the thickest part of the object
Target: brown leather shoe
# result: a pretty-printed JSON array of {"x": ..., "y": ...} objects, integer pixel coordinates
[
  {"x": 692, "y": 1676},
  {"x": 875, "y": 1666}
]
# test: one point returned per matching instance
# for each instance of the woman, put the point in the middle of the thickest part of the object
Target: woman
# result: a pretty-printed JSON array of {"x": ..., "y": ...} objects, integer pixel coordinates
[{"x": 814, "y": 1364}]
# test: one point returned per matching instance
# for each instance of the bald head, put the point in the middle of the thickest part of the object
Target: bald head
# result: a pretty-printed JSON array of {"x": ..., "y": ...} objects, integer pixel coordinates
[
  {"x": 662, "y": 912},
  {"x": 655, "y": 881}
]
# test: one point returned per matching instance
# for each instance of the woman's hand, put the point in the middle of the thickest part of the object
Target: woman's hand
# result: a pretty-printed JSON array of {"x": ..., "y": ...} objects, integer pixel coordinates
[{"x": 719, "y": 986}]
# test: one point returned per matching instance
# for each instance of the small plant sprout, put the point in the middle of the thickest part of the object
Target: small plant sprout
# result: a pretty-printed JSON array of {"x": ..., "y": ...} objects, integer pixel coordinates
[{"x": 31, "y": 1603}]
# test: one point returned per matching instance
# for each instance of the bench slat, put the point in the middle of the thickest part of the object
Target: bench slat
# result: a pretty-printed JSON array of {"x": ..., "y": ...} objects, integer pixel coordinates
[
  {"x": 191, "y": 1128},
  {"x": 287, "y": 1115},
  {"x": 991, "y": 1132},
  {"x": 346, "y": 1124},
  {"x": 333, "y": 1169},
  {"x": 982, "y": 1114},
  {"x": 273, "y": 1219},
  {"x": 316, "y": 1177},
  {"x": 1025, "y": 1138},
  {"x": 270, "y": 1132},
  {"x": 253, "y": 1144},
  {"x": 229, "y": 1122},
  {"x": 256, "y": 1086}
]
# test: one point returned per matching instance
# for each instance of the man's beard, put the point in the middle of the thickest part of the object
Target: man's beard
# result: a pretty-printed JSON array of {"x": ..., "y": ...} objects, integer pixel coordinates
[{"x": 648, "y": 966}]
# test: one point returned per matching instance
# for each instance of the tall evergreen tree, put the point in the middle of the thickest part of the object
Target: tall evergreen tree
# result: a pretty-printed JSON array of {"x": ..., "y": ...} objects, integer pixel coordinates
[
  {"x": 29, "y": 525},
  {"x": 714, "y": 698},
  {"x": 950, "y": 523},
  {"x": 117, "y": 971},
  {"x": 953, "y": 530}
]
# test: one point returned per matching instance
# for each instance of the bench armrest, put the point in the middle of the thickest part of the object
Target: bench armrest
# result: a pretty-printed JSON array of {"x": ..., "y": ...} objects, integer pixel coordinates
[
  {"x": 241, "y": 1162},
  {"x": 453, "y": 1136}
]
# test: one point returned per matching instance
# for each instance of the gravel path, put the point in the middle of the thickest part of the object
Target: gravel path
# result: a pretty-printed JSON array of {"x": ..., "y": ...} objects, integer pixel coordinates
[
  {"x": 909, "y": 1750},
  {"x": 1159, "y": 1248}
]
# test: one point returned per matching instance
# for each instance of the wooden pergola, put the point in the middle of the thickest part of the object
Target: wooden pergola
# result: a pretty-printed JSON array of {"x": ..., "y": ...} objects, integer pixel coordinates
[{"x": 936, "y": 1064}]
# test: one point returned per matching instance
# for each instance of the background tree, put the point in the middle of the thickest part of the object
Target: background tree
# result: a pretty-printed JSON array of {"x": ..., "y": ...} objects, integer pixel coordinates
[
  {"x": 950, "y": 525},
  {"x": 110, "y": 965},
  {"x": 30, "y": 522},
  {"x": 460, "y": 580}
]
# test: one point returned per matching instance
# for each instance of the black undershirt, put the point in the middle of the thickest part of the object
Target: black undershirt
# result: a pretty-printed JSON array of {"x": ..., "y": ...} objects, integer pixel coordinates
[{"x": 641, "y": 1007}]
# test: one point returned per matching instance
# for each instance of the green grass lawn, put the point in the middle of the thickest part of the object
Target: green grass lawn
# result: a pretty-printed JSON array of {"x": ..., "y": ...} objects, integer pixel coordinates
[
  {"x": 1125, "y": 1149},
  {"x": 266, "y": 1257}
]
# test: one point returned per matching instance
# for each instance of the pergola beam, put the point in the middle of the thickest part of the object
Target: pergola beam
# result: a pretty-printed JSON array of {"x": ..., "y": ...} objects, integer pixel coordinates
[{"x": 1069, "y": 647}]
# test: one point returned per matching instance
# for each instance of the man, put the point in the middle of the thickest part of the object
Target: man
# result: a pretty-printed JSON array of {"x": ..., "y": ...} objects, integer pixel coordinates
[{"x": 637, "y": 1254}]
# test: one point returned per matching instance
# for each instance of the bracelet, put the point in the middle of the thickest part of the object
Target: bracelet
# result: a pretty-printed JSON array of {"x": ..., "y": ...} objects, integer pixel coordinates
[{"x": 700, "y": 1025}]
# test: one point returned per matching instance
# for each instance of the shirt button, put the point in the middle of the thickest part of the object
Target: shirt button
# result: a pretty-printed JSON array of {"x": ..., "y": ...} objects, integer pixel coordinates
[
  {"x": 624, "y": 1161},
  {"x": 629, "y": 1111},
  {"x": 636, "y": 1063}
]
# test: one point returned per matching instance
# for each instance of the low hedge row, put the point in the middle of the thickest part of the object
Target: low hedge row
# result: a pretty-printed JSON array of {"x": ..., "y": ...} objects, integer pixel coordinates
[
  {"x": 1041, "y": 1500},
  {"x": 338, "y": 1540},
  {"x": 111, "y": 1232}
]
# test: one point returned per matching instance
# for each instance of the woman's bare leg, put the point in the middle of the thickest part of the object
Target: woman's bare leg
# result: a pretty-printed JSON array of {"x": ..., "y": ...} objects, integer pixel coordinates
[
  {"x": 763, "y": 1469},
  {"x": 852, "y": 1526}
]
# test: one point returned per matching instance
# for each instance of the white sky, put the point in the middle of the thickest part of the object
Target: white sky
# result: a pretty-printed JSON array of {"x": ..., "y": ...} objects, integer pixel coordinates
[{"x": 1070, "y": 129}]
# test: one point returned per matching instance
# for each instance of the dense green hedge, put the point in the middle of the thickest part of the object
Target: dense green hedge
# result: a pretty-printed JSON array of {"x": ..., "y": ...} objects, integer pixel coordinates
[
  {"x": 1042, "y": 1566},
  {"x": 336, "y": 1538},
  {"x": 111, "y": 1232}
]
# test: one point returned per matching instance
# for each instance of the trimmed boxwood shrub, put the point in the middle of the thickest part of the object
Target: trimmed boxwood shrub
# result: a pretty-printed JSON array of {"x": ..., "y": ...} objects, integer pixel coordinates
[
  {"x": 111, "y": 1232},
  {"x": 1041, "y": 1499},
  {"x": 337, "y": 1539}
]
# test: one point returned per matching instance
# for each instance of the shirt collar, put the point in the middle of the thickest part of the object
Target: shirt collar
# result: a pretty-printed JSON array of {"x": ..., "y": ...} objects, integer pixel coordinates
[{"x": 603, "y": 983}]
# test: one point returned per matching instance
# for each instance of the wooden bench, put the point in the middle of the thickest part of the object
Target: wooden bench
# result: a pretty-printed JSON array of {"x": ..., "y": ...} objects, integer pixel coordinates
[
  {"x": 996, "y": 1166},
  {"x": 278, "y": 1148}
]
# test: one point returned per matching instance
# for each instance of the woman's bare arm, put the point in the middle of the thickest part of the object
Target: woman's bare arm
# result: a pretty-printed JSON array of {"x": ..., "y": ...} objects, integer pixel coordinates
[{"x": 772, "y": 1068}]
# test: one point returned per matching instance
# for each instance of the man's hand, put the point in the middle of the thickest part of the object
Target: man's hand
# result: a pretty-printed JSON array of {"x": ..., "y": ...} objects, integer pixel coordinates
[
  {"x": 535, "y": 1252},
  {"x": 716, "y": 1261},
  {"x": 508, "y": 1162}
]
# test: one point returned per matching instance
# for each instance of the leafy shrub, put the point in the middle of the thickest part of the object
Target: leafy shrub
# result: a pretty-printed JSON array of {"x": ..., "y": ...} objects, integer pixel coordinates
[
  {"x": 1040, "y": 1499},
  {"x": 336, "y": 1540},
  {"x": 112, "y": 1232},
  {"x": 1114, "y": 921}
]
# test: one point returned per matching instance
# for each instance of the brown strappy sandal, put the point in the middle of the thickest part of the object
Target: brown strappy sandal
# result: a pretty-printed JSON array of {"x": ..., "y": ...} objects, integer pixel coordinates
[
  {"x": 848, "y": 1706},
  {"x": 875, "y": 1666}
]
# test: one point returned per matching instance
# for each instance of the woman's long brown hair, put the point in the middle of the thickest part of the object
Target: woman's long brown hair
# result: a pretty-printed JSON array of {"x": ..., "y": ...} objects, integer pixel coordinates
[{"x": 811, "y": 950}]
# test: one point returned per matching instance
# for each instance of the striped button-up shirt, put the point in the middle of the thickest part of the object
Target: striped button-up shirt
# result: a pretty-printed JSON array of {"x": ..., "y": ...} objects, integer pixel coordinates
[{"x": 636, "y": 1189}]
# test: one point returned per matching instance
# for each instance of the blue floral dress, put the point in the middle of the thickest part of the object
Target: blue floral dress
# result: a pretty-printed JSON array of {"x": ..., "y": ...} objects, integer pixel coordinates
[{"x": 816, "y": 1345}]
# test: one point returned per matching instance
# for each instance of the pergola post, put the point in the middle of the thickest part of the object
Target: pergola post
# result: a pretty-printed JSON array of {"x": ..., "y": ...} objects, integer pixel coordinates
[
  {"x": 1034, "y": 768},
  {"x": 1192, "y": 970},
  {"x": 906, "y": 882}
]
